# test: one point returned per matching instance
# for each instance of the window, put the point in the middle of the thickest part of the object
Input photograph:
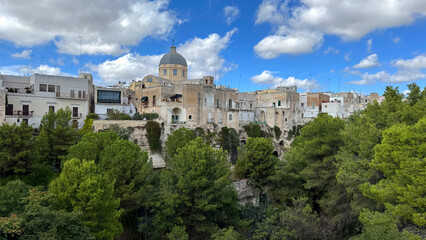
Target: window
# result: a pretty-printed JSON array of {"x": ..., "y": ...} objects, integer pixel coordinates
[
  {"x": 58, "y": 90},
  {"x": 154, "y": 100},
  {"x": 75, "y": 111},
  {"x": 217, "y": 103},
  {"x": 110, "y": 111},
  {"x": 302, "y": 104},
  {"x": 285, "y": 119},
  {"x": 183, "y": 73},
  {"x": 230, "y": 103},
  {"x": 175, "y": 72},
  {"x": 51, "y": 88},
  {"x": 72, "y": 94},
  {"x": 190, "y": 117},
  {"x": 75, "y": 123},
  {"x": 42, "y": 87},
  {"x": 84, "y": 94},
  {"x": 207, "y": 81},
  {"x": 9, "y": 109},
  {"x": 230, "y": 117},
  {"x": 251, "y": 106},
  {"x": 279, "y": 103},
  {"x": 25, "y": 110},
  {"x": 105, "y": 96},
  {"x": 150, "y": 79},
  {"x": 165, "y": 72},
  {"x": 25, "y": 121},
  {"x": 273, "y": 104},
  {"x": 205, "y": 100},
  {"x": 325, "y": 106},
  {"x": 51, "y": 108},
  {"x": 79, "y": 94}
]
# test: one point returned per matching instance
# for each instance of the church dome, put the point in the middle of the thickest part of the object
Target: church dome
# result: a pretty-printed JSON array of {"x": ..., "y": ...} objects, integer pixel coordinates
[{"x": 173, "y": 58}]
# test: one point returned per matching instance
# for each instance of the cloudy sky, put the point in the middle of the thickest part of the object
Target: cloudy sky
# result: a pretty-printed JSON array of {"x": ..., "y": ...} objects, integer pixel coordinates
[{"x": 318, "y": 45}]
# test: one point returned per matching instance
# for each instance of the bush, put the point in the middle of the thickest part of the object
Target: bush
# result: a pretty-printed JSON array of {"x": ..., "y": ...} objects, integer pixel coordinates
[
  {"x": 137, "y": 116},
  {"x": 253, "y": 130},
  {"x": 117, "y": 115},
  {"x": 150, "y": 116},
  {"x": 153, "y": 130},
  {"x": 93, "y": 116},
  {"x": 277, "y": 132}
]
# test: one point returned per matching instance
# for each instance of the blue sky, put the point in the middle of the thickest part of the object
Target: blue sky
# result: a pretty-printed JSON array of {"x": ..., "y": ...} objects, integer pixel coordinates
[{"x": 318, "y": 45}]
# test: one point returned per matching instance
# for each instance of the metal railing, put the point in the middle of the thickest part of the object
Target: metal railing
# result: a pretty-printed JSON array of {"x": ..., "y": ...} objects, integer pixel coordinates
[{"x": 20, "y": 113}]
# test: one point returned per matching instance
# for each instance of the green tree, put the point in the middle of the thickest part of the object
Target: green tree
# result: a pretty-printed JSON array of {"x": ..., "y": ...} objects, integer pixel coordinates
[
  {"x": 177, "y": 140},
  {"x": 42, "y": 222},
  {"x": 87, "y": 127},
  {"x": 82, "y": 188},
  {"x": 298, "y": 222},
  {"x": 256, "y": 161},
  {"x": 400, "y": 157},
  {"x": 91, "y": 145},
  {"x": 16, "y": 149},
  {"x": 382, "y": 226},
  {"x": 415, "y": 94},
  {"x": 56, "y": 136},
  {"x": 12, "y": 197},
  {"x": 196, "y": 192},
  {"x": 229, "y": 140},
  {"x": 153, "y": 130},
  {"x": 129, "y": 166},
  {"x": 226, "y": 234}
]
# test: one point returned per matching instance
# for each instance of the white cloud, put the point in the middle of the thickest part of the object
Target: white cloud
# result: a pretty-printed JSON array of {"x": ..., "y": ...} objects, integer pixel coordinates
[
  {"x": 368, "y": 62},
  {"x": 21, "y": 70},
  {"x": 202, "y": 55},
  {"x": 368, "y": 78},
  {"x": 26, "y": 54},
  {"x": 350, "y": 20},
  {"x": 396, "y": 39},
  {"x": 294, "y": 43},
  {"x": 269, "y": 11},
  {"x": 266, "y": 77},
  {"x": 408, "y": 71},
  {"x": 231, "y": 13},
  {"x": 347, "y": 56},
  {"x": 406, "y": 76},
  {"x": 416, "y": 63},
  {"x": 369, "y": 45},
  {"x": 406, "y": 92},
  {"x": 332, "y": 50},
  {"x": 106, "y": 27}
]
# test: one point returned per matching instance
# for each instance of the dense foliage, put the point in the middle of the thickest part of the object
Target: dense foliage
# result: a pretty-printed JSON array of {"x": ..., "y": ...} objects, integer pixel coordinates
[{"x": 361, "y": 178}]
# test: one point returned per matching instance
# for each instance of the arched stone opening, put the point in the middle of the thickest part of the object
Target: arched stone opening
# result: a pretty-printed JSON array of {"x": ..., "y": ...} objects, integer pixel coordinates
[{"x": 176, "y": 115}]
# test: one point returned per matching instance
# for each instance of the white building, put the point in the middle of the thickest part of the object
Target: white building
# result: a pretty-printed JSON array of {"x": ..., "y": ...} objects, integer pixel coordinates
[
  {"x": 28, "y": 99},
  {"x": 108, "y": 99},
  {"x": 335, "y": 109}
]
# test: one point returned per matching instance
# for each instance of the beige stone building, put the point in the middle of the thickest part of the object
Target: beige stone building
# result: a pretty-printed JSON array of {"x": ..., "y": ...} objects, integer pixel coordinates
[
  {"x": 278, "y": 107},
  {"x": 179, "y": 100}
]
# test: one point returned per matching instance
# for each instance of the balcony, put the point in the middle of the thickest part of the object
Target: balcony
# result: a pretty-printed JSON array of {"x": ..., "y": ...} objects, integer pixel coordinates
[
  {"x": 20, "y": 113},
  {"x": 210, "y": 120},
  {"x": 71, "y": 95}
]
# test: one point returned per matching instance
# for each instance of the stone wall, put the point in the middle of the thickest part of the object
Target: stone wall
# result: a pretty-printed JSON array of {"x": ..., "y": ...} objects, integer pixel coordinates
[{"x": 2, "y": 106}]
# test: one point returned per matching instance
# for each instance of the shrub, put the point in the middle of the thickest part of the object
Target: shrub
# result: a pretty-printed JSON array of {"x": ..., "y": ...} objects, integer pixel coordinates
[
  {"x": 93, "y": 116},
  {"x": 277, "y": 132},
  {"x": 150, "y": 116},
  {"x": 137, "y": 116},
  {"x": 153, "y": 130}
]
